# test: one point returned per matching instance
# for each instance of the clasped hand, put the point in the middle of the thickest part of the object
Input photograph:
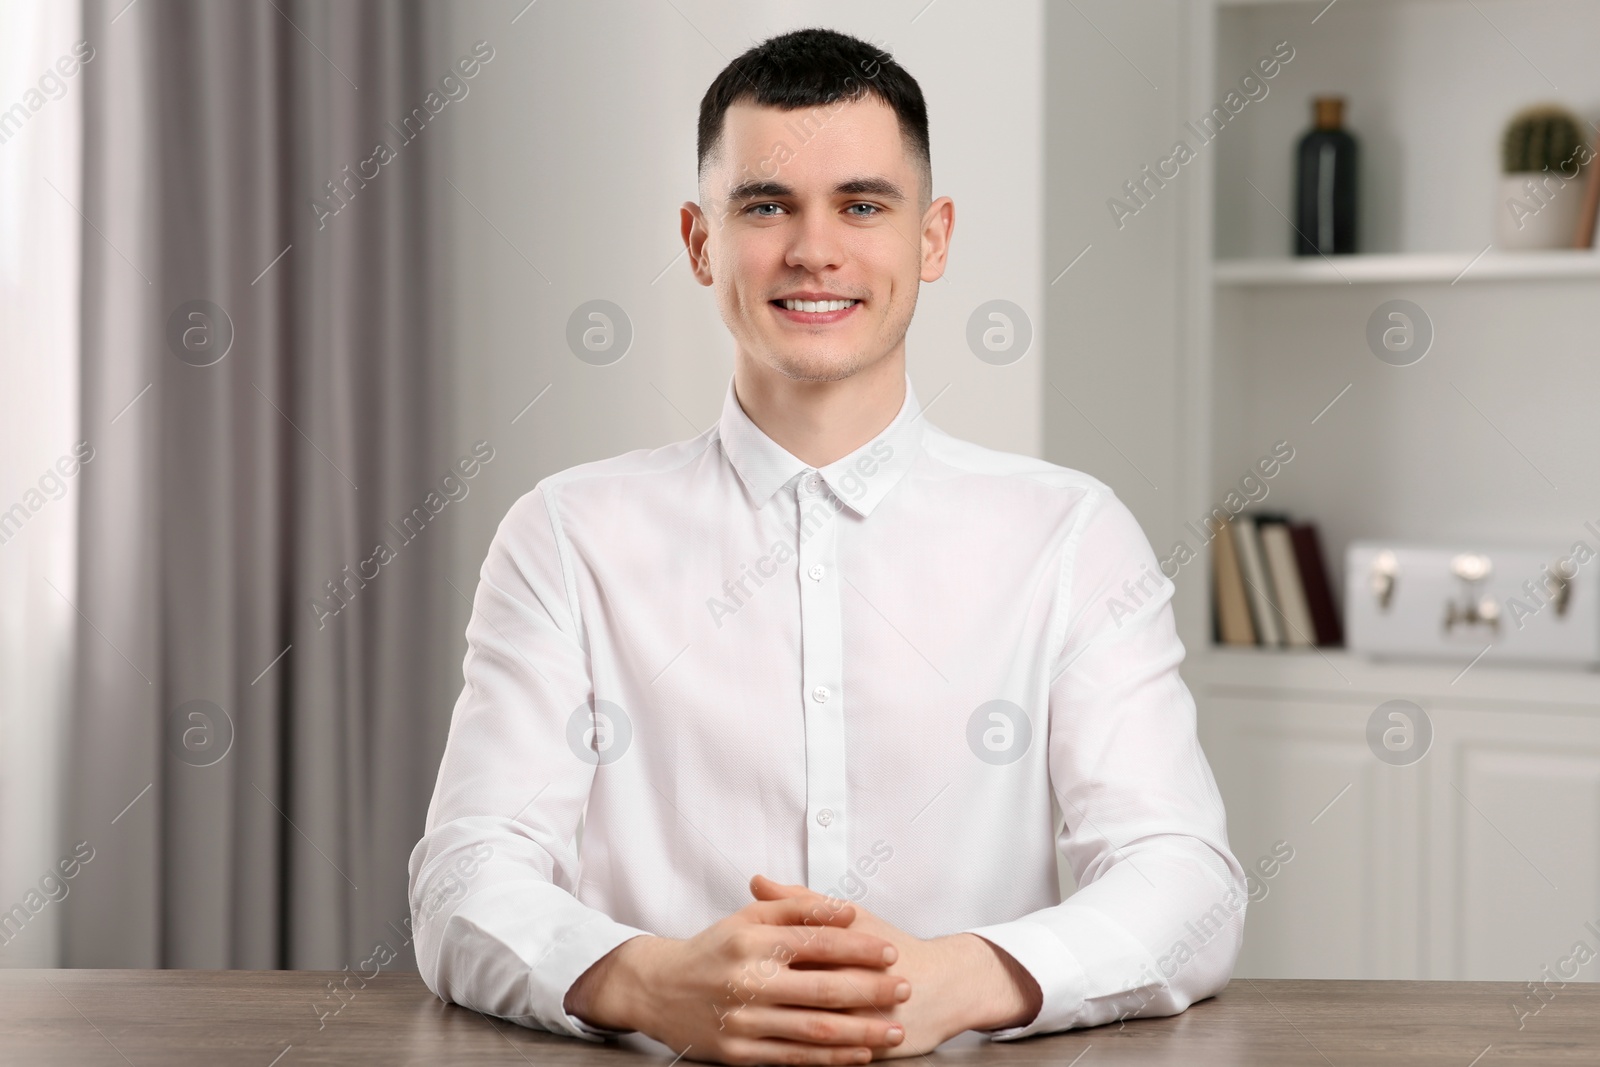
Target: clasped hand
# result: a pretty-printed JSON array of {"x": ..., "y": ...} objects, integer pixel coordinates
[{"x": 800, "y": 978}]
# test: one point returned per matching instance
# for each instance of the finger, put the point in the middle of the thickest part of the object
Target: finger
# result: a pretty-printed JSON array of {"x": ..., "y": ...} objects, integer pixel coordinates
[
  {"x": 764, "y": 888},
  {"x": 836, "y": 1028},
  {"x": 816, "y": 1027},
  {"x": 803, "y": 911},
  {"x": 836, "y": 989},
  {"x": 843, "y": 947},
  {"x": 745, "y": 1050}
]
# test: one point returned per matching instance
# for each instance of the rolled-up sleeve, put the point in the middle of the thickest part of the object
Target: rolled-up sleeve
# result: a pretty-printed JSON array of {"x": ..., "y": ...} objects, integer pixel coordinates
[
  {"x": 498, "y": 927},
  {"x": 1158, "y": 917}
]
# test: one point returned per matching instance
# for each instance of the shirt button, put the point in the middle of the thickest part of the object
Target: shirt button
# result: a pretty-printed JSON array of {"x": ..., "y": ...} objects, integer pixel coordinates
[
  {"x": 816, "y": 571},
  {"x": 813, "y": 483},
  {"x": 825, "y": 816},
  {"x": 820, "y": 694}
]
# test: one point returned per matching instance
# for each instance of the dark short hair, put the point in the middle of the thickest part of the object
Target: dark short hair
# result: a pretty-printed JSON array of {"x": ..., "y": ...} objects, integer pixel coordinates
[{"x": 811, "y": 68}]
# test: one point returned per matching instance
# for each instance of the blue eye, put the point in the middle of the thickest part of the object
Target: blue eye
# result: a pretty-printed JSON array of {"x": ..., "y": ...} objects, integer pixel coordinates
[{"x": 873, "y": 210}]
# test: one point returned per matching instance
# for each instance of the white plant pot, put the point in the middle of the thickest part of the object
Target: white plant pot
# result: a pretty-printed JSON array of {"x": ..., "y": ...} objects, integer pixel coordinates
[{"x": 1549, "y": 219}]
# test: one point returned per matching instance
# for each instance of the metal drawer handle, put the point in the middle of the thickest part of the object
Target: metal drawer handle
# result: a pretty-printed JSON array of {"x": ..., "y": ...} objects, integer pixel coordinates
[
  {"x": 1562, "y": 592},
  {"x": 1472, "y": 568},
  {"x": 1385, "y": 572},
  {"x": 1485, "y": 612}
]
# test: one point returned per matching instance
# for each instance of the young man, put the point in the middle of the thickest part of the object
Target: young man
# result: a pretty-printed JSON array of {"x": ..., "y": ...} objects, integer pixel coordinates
[{"x": 813, "y": 678}]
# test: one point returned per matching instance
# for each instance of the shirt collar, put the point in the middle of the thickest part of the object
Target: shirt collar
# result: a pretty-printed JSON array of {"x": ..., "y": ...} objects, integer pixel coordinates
[{"x": 860, "y": 480}]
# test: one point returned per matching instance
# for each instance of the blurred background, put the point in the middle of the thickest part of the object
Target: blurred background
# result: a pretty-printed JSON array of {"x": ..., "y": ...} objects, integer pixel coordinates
[{"x": 276, "y": 274}]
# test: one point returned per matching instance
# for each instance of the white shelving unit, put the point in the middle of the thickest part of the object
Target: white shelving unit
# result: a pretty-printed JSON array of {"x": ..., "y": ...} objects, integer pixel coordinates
[
  {"x": 1453, "y": 268},
  {"x": 1482, "y": 859}
]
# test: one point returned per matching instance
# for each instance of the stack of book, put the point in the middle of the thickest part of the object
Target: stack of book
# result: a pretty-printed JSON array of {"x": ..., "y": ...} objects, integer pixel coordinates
[{"x": 1271, "y": 584}]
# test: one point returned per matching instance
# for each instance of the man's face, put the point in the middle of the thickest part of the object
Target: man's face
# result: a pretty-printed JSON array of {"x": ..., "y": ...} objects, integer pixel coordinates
[{"x": 809, "y": 203}]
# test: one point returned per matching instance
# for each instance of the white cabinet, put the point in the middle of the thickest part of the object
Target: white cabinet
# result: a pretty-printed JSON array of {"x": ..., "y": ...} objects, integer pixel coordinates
[
  {"x": 1514, "y": 823},
  {"x": 1347, "y": 904},
  {"x": 1480, "y": 861}
]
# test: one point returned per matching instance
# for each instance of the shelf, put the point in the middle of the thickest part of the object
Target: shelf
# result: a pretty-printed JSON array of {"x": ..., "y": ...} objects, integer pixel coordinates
[
  {"x": 1338, "y": 673},
  {"x": 1274, "y": 3},
  {"x": 1466, "y": 446},
  {"x": 1323, "y": 4},
  {"x": 1448, "y": 267}
]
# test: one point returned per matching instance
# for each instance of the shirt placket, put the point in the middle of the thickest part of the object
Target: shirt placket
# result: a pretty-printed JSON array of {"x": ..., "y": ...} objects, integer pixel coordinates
[{"x": 822, "y": 681}]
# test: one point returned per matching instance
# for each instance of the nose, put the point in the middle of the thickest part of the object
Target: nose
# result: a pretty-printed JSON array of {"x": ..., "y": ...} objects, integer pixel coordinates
[{"x": 816, "y": 244}]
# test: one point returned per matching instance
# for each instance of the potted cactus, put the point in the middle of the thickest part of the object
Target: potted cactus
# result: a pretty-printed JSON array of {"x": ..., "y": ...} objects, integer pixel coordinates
[{"x": 1542, "y": 153}]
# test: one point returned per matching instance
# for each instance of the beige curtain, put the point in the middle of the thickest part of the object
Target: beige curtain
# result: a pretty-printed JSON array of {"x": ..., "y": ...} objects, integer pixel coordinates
[{"x": 252, "y": 753}]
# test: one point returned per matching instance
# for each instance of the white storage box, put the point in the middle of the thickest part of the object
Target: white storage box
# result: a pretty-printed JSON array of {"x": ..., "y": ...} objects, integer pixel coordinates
[{"x": 1451, "y": 602}]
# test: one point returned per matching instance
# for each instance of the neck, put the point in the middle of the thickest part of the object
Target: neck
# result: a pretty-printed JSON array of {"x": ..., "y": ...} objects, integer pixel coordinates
[{"x": 821, "y": 422}]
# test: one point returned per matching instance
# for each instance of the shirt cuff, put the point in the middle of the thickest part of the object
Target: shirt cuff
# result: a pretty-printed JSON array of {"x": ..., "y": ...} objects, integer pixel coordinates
[
  {"x": 569, "y": 957},
  {"x": 1075, "y": 954}
]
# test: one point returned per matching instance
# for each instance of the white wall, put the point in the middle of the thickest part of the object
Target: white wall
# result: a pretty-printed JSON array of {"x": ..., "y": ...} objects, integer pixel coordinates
[
  {"x": 1116, "y": 83},
  {"x": 577, "y": 144}
]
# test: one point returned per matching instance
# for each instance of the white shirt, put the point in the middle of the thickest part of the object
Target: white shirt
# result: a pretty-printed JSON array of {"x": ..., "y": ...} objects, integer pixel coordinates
[{"x": 871, "y": 678}]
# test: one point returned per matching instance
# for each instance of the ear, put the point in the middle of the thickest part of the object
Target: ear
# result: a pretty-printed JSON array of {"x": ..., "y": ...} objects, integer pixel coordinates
[{"x": 696, "y": 238}]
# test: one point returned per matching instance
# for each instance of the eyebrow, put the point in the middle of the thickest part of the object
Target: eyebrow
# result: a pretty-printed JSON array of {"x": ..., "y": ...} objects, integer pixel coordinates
[{"x": 757, "y": 189}]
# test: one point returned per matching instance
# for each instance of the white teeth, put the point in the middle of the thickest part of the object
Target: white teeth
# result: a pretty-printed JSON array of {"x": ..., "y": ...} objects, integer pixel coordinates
[{"x": 818, "y": 305}]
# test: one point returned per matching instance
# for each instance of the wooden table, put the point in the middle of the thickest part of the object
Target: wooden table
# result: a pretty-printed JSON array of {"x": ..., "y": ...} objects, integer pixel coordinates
[{"x": 271, "y": 1019}]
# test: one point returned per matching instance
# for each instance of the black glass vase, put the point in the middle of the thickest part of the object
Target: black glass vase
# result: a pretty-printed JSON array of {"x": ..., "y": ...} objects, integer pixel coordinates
[{"x": 1325, "y": 184}]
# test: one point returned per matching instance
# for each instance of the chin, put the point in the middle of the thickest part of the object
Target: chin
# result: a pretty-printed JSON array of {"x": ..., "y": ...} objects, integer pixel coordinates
[
  {"x": 816, "y": 367},
  {"x": 818, "y": 371}
]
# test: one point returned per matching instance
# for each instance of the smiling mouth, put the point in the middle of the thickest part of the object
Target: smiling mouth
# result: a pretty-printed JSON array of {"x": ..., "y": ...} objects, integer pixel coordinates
[
  {"x": 815, "y": 312},
  {"x": 816, "y": 305}
]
